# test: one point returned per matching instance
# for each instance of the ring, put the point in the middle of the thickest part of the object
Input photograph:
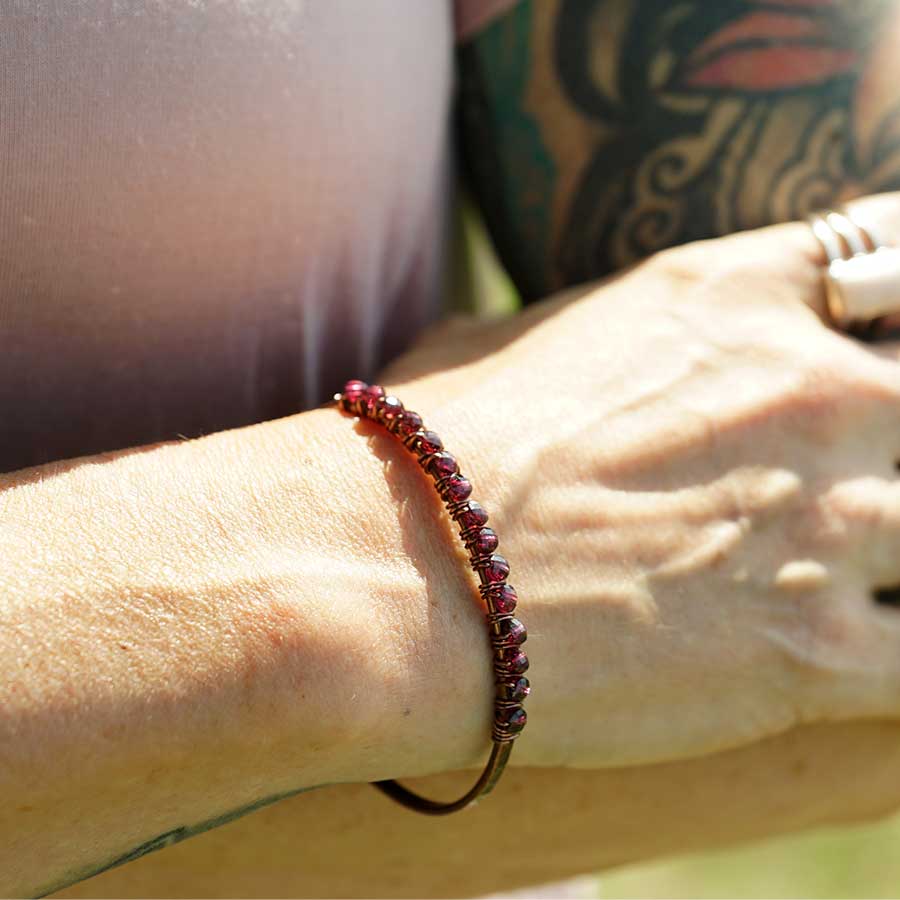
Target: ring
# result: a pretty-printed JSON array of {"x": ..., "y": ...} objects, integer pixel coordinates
[{"x": 862, "y": 281}]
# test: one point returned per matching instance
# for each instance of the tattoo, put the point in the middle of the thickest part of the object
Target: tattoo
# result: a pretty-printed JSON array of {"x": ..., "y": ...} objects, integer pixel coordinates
[
  {"x": 175, "y": 836},
  {"x": 596, "y": 132}
]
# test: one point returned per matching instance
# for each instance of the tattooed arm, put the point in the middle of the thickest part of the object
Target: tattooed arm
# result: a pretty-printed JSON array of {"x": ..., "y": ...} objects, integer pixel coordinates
[{"x": 597, "y": 132}]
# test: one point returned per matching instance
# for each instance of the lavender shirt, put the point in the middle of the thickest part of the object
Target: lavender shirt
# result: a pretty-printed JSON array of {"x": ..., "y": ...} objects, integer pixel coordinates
[{"x": 212, "y": 211}]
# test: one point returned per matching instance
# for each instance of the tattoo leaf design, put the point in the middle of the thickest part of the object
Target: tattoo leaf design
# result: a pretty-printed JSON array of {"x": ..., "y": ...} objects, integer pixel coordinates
[{"x": 656, "y": 123}]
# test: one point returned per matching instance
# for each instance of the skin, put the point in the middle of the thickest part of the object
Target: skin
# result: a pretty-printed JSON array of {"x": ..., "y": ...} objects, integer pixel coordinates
[
  {"x": 625, "y": 627},
  {"x": 717, "y": 510},
  {"x": 733, "y": 480}
]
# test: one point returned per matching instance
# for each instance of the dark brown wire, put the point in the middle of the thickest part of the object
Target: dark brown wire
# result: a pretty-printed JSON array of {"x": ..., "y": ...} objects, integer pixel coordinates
[{"x": 489, "y": 777}]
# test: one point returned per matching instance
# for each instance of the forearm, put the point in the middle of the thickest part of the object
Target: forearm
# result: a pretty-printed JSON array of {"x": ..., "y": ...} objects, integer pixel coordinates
[
  {"x": 538, "y": 825},
  {"x": 189, "y": 628}
]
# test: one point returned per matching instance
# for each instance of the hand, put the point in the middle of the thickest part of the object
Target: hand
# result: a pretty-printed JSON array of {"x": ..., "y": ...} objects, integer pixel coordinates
[{"x": 694, "y": 481}]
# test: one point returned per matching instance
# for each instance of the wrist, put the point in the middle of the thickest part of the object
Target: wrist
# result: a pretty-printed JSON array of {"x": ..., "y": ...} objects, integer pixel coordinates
[{"x": 407, "y": 668}]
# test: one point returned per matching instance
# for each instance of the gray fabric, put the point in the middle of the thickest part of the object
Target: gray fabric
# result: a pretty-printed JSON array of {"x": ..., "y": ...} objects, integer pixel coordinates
[{"x": 211, "y": 211}]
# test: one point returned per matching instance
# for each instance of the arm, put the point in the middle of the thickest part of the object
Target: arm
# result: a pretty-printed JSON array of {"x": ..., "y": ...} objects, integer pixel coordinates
[
  {"x": 695, "y": 582},
  {"x": 539, "y": 825},
  {"x": 195, "y": 628}
]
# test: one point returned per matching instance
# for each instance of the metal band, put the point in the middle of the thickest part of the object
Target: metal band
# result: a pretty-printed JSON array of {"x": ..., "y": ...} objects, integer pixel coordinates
[
  {"x": 841, "y": 235},
  {"x": 826, "y": 236},
  {"x": 862, "y": 280},
  {"x": 484, "y": 785},
  {"x": 855, "y": 239}
]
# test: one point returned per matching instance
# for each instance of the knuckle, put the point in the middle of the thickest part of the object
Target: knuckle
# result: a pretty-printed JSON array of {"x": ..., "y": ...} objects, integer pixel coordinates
[{"x": 860, "y": 502}]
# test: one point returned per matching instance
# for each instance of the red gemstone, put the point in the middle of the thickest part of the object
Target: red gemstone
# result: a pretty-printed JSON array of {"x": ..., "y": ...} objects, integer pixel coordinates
[
  {"x": 457, "y": 488},
  {"x": 512, "y": 631},
  {"x": 496, "y": 569},
  {"x": 429, "y": 442},
  {"x": 408, "y": 423},
  {"x": 485, "y": 542},
  {"x": 515, "y": 689},
  {"x": 374, "y": 392},
  {"x": 388, "y": 408},
  {"x": 354, "y": 388},
  {"x": 505, "y": 598},
  {"x": 511, "y": 719},
  {"x": 352, "y": 391},
  {"x": 516, "y": 662},
  {"x": 442, "y": 465},
  {"x": 472, "y": 515}
]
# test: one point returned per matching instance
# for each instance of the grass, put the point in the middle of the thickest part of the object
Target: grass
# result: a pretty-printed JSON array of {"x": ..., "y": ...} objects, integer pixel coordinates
[{"x": 863, "y": 861}]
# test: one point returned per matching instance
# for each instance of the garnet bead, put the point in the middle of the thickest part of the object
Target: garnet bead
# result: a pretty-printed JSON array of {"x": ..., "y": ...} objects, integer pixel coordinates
[
  {"x": 516, "y": 662},
  {"x": 353, "y": 390},
  {"x": 485, "y": 542},
  {"x": 505, "y": 599},
  {"x": 495, "y": 569},
  {"x": 472, "y": 515},
  {"x": 515, "y": 689},
  {"x": 457, "y": 488},
  {"x": 373, "y": 393},
  {"x": 512, "y": 631},
  {"x": 388, "y": 408},
  {"x": 443, "y": 465},
  {"x": 408, "y": 423},
  {"x": 429, "y": 442},
  {"x": 511, "y": 719}
]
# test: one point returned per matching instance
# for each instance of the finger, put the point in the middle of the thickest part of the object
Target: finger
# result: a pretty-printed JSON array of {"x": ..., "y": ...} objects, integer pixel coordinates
[{"x": 867, "y": 509}]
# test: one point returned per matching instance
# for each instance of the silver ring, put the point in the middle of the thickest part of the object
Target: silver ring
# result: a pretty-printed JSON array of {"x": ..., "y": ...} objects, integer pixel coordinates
[{"x": 862, "y": 281}]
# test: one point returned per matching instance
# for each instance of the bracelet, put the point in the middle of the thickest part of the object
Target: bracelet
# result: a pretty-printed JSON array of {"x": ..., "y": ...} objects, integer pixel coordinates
[{"x": 507, "y": 632}]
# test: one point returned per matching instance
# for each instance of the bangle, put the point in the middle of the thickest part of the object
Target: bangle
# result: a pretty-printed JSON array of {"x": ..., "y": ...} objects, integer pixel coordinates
[{"x": 507, "y": 632}]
